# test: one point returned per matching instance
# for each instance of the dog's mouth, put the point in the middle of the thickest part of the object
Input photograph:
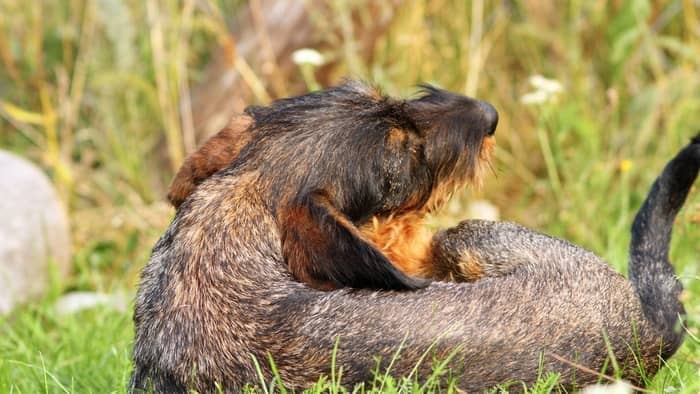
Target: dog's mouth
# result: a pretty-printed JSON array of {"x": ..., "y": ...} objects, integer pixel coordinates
[
  {"x": 443, "y": 191},
  {"x": 402, "y": 235},
  {"x": 460, "y": 178}
]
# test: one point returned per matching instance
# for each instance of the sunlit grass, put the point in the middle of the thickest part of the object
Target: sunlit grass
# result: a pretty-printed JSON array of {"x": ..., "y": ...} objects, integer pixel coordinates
[{"x": 46, "y": 353}]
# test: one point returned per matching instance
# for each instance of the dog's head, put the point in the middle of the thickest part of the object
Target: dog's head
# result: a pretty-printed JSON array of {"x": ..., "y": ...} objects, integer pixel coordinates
[{"x": 331, "y": 161}]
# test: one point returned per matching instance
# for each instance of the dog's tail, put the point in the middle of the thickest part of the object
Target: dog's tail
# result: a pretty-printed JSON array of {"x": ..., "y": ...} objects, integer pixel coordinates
[{"x": 650, "y": 271}]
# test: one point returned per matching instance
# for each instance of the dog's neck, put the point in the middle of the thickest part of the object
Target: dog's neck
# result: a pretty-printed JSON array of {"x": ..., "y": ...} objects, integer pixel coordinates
[{"x": 404, "y": 239}]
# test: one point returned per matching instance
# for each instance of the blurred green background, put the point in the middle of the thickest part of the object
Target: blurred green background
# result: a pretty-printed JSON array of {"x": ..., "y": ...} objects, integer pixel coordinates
[{"x": 109, "y": 96}]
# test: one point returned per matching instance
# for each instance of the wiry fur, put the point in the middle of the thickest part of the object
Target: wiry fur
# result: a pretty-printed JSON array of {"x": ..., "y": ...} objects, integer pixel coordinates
[
  {"x": 404, "y": 240},
  {"x": 220, "y": 287},
  {"x": 650, "y": 271},
  {"x": 217, "y": 153},
  {"x": 397, "y": 231}
]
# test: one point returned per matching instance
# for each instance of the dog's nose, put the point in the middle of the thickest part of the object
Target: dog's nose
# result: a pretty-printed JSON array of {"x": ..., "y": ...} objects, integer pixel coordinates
[{"x": 490, "y": 116}]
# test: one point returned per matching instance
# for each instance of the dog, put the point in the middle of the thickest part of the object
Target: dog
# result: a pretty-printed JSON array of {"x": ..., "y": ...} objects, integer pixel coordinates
[
  {"x": 399, "y": 235},
  {"x": 311, "y": 201}
]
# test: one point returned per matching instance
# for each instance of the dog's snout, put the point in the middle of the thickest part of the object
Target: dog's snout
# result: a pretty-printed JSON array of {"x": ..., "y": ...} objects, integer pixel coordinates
[{"x": 490, "y": 116}]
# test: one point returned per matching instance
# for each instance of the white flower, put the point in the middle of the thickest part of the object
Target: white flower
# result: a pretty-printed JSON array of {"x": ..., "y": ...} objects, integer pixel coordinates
[
  {"x": 307, "y": 56},
  {"x": 545, "y": 90},
  {"x": 536, "y": 97},
  {"x": 548, "y": 85}
]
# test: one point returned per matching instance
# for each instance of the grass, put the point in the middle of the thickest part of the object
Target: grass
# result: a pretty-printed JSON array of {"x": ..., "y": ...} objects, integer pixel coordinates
[
  {"x": 91, "y": 91},
  {"x": 81, "y": 353}
]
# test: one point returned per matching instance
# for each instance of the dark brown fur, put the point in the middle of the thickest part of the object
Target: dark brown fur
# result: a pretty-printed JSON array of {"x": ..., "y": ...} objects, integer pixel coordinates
[
  {"x": 229, "y": 280},
  {"x": 215, "y": 154}
]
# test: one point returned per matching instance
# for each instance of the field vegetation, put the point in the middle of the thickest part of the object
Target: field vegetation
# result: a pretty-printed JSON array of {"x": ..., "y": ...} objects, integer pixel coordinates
[{"x": 594, "y": 97}]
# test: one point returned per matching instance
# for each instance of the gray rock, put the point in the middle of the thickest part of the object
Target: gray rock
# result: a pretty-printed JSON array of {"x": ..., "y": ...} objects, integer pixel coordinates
[{"x": 33, "y": 231}]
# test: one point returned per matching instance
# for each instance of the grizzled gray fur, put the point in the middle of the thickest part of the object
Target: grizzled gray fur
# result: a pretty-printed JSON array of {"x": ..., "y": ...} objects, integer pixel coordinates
[{"x": 218, "y": 289}]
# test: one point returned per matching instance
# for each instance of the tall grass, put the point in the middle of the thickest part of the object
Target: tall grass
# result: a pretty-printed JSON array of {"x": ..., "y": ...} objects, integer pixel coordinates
[{"x": 96, "y": 92}]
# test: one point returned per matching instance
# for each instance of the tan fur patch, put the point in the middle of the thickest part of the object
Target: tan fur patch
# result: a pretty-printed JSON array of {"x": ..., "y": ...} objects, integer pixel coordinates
[
  {"x": 469, "y": 268},
  {"x": 404, "y": 240},
  {"x": 396, "y": 136},
  {"x": 485, "y": 157}
]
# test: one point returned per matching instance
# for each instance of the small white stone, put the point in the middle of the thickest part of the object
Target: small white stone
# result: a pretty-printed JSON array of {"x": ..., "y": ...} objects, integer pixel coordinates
[
  {"x": 77, "y": 301},
  {"x": 619, "y": 387}
]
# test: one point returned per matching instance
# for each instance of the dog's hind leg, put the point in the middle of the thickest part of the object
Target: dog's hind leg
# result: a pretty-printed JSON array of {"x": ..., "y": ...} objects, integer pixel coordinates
[{"x": 476, "y": 249}]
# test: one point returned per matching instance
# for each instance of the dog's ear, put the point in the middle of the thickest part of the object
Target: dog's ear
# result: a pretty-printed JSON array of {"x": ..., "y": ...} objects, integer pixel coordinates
[
  {"x": 326, "y": 251},
  {"x": 215, "y": 154}
]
